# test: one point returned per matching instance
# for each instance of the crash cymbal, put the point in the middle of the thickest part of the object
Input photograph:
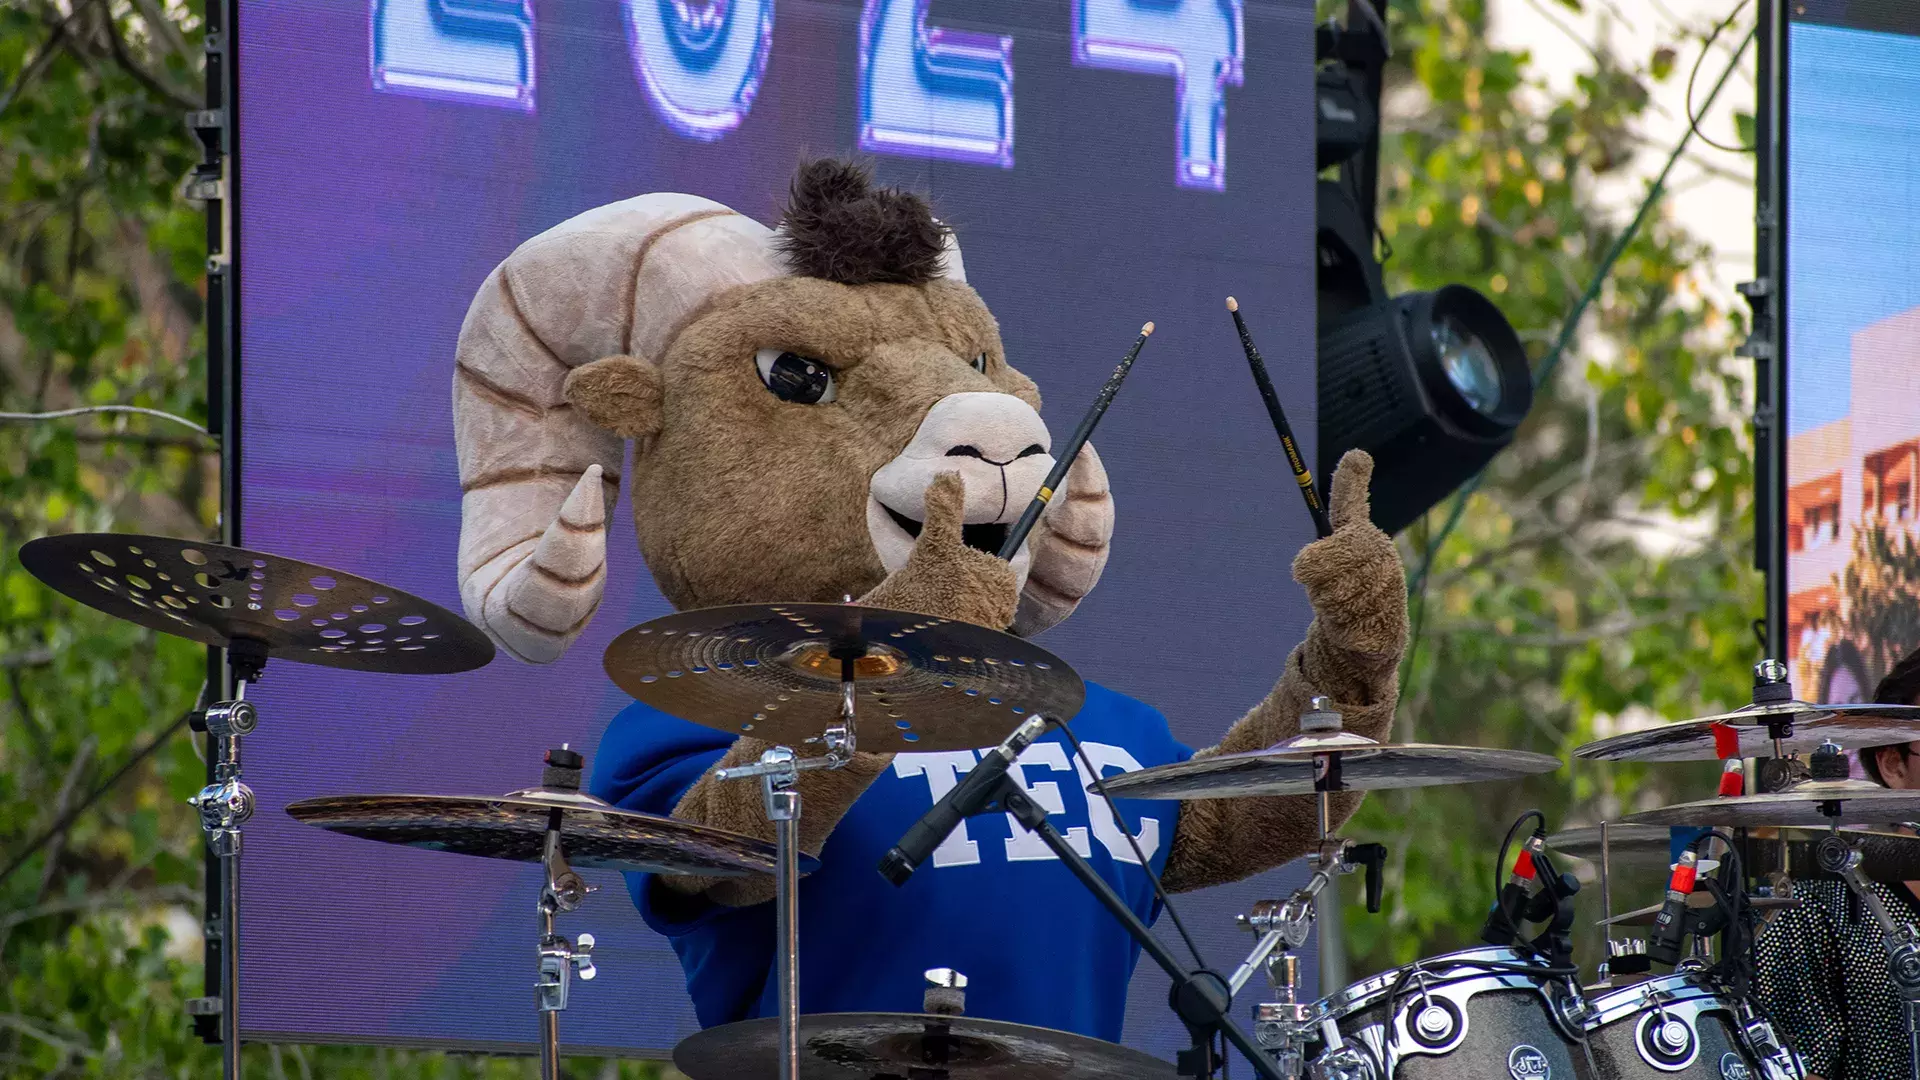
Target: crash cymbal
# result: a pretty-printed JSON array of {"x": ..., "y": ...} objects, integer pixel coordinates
[
  {"x": 1288, "y": 768},
  {"x": 1749, "y": 732},
  {"x": 1803, "y": 804},
  {"x": 1697, "y": 901},
  {"x": 772, "y": 671},
  {"x": 288, "y": 609},
  {"x": 593, "y": 833},
  {"x": 841, "y": 1046},
  {"x": 1888, "y": 856}
]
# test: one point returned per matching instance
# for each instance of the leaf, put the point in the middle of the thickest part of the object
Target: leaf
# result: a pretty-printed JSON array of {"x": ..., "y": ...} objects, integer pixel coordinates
[
  {"x": 1743, "y": 127},
  {"x": 1662, "y": 64}
]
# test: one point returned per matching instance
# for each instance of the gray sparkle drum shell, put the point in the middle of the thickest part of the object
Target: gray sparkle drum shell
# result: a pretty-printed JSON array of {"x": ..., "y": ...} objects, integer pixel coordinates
[
  {"x": 1671, "y": 1026},
  {"x": 1478, "y": 1013}
]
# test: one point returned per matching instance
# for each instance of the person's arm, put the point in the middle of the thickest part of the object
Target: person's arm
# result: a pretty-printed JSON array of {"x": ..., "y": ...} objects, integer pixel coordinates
[{"x": 1358, "y": 589}]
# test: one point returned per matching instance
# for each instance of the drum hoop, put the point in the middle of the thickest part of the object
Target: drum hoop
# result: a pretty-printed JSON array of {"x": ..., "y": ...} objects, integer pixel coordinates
[
  {"x": 1681, "y": 993},
  {"x": 1450, "y": 969}
]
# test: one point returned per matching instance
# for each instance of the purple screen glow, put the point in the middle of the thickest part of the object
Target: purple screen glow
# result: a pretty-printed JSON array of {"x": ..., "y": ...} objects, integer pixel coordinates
[{"x": 392, "y": 152}]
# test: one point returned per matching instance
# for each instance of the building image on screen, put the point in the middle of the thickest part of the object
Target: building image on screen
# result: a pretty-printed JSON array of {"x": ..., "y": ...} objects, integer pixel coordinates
[
  {"x": 1102, "y": 163},
  {"x": 1853, "y": 367}
]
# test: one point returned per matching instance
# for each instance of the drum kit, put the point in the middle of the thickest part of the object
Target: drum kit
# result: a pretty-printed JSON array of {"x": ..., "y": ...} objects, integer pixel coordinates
[{"x": 816, "y": 681}]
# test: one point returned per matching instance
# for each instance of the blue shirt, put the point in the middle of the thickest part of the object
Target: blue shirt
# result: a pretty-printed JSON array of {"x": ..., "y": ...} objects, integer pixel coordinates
[{"x": 992, "y": 902}]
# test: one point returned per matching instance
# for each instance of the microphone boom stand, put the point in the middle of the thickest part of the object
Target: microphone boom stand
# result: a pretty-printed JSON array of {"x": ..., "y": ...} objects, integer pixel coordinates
[
  {"x": 1903, "y": 938},
  {"x": 1200, "y": 998}
]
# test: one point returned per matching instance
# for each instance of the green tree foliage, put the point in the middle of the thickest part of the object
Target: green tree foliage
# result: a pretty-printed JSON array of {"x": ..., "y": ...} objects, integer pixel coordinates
[
  {"x": 1603, "y": 569},
  {"x": 101, "y": 291}
]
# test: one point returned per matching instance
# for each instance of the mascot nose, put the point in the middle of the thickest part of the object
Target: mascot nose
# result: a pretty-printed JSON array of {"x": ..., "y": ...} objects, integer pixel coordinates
[{"x": 999, "y": 429}]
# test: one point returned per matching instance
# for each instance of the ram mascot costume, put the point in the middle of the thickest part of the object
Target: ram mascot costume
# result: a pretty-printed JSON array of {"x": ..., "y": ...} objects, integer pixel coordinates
[{"x": 822, "y": 410}]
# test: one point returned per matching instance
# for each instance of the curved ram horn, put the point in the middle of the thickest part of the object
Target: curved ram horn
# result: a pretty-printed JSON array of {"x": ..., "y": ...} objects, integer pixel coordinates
[
  {"x": 536, "y": 476},
  {"x": 1070, "y": 545}
]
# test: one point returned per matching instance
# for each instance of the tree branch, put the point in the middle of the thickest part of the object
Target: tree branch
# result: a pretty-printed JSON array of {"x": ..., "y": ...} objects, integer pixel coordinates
[
  {"x": 84, "y": 410},
  {"x": 141, "y": 75}
]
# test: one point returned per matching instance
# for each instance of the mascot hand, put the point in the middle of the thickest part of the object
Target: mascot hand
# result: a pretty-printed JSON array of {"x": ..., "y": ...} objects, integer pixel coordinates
[
  {"x": 1356, "y": 584},
  {"x": 946, "y": 578}
]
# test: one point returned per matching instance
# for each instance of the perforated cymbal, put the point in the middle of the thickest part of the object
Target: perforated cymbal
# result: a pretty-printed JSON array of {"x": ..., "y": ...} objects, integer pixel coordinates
[
  {"x": 770, "y": 671},
  {"x": 1288, "y": 768},
  {"x": 217, "y": 595},
  {"x": 1745, "y": 733},
  {"x": 1803, "y": 804},
  {"x": 853, "y": 1046},
  {"x": 594, "y": 835}
]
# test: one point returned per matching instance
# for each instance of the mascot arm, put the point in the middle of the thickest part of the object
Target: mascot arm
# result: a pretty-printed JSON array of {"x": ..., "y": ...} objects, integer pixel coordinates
[
  {"x": 944, "y": 578},
  {"x": 1358, "y": 589}
]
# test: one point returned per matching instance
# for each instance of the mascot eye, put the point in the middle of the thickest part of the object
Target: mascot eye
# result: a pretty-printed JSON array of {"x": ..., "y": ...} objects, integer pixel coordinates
[
  {"x": 792, "y": 377},
  {"x": 980, "y": 363}
]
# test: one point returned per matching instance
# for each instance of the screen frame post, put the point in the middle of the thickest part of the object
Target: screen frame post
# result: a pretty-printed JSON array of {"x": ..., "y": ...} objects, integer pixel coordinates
[{"x": 1767, "y": 342}]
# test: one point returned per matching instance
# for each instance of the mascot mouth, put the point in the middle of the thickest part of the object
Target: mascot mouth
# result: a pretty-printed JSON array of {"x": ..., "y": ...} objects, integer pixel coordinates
[{"x": 987, "y": 536}]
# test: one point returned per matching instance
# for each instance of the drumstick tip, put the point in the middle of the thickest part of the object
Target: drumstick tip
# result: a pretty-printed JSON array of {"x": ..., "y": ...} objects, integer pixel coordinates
[
  {"x": 1147, "y": 330},
  {"x": 1232, "y": 304}
]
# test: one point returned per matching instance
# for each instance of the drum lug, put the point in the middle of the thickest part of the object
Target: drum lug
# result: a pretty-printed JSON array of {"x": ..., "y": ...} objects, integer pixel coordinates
[{"x": 1348, "y": 1062}]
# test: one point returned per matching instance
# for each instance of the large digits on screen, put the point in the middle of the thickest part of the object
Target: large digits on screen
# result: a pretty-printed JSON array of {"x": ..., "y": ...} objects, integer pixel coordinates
[
  {"x": 479, "y": 51},
  {"x": 931, "y": 92},
  {"x": 1198, "y": 42},
  {"x": 924, "y": 91},
  {"x": 700, "y": 61}
]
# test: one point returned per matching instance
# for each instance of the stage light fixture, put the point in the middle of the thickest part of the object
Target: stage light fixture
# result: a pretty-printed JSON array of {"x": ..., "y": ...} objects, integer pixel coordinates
[{"x": 1432, "y": 384}]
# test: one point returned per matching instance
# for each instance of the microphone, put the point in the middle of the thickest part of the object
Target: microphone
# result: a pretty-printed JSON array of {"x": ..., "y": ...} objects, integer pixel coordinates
[
  {"x": 1500, "y": 928},
  {"x": 1669, "y": 927},
  {"x": 970, "y": 796}
]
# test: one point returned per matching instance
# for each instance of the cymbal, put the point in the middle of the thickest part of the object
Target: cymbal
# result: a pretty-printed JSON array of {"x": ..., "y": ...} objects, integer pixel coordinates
[
  {"x": 838, "y": 1046},
  {"x": 770, "y": 671},
  {"x": 218, "y": 595},
  {"x": 593, "y": 834},
  {"x": 1288, "y": 768},
  {"x": 1744, "y": 733},
  {"x": 1802, "y": 804},
  {"x": 1887, "y": 856},
  {"x": 1697, "y": 901}
]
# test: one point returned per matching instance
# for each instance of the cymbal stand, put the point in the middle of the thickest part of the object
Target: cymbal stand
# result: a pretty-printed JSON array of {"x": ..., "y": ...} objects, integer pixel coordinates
[
  {"x": 1283, "y": 1028},
  {"x": 560, "y": 959},
  {"x": 778, "y": 771},
  {"x": 224, "y": 806},
  {"x": 1903, "y": 938}
]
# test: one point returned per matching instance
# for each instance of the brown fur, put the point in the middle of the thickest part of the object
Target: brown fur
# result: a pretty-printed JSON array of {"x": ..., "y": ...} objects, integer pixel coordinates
[
  {"x": 839, "y": 227},
  {"x": 701, "y": 483},
  {"x": 1358, "y": 589}
]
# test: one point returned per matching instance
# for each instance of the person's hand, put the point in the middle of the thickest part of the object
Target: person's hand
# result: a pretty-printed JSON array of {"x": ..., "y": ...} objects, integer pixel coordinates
[
  {"x": 1354, "y": 578},
  {"x": 944, "y": 577}
]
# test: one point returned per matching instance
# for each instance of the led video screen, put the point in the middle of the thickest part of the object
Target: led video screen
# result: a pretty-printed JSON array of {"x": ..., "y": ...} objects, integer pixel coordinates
[
  {"x": 1103, "y": 162},
  {"x": 1853, "y": 360}
]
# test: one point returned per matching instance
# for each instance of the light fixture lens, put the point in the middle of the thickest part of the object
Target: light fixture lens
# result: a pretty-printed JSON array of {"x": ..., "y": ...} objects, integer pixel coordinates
[{"x": 1469, "y": 364}]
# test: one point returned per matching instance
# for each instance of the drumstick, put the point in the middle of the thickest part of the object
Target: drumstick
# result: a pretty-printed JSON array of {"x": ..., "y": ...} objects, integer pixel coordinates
[
  {"x": 1065, "y": 459},
  {"x": 1299, "y": 465}
]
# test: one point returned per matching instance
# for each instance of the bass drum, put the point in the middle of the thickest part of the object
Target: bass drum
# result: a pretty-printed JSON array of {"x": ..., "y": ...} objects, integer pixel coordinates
[
  {"x": 1489, "y": 1013},
  {"x": 1676, "y": 1026}
]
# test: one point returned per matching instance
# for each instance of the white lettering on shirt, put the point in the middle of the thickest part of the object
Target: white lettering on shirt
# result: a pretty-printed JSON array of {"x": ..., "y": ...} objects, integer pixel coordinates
[
  {"x": 1023, "y": 846},
  {"x": 1108, "y": 832},
  {"x": 942, "y": 771}
]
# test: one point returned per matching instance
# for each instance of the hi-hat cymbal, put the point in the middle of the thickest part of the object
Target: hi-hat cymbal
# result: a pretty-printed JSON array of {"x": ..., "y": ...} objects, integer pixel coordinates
[
  {"x": 1804, "y": 804},
  {"x": 840, "y": 1046},
  {"x": 1289, "y": 768},
  {"x": 1697, "y": 901},
  {"x": 289, "y": 609},
  {"x": 593, "y": 833},
  {"x": 1749, "y": 732},
  {"x": 1888, "y": 856},
  {"x": 773, "y": 672}
]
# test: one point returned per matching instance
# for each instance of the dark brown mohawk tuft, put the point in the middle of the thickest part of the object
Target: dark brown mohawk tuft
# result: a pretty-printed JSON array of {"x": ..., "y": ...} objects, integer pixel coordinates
[{"x": 840, "y": 227}]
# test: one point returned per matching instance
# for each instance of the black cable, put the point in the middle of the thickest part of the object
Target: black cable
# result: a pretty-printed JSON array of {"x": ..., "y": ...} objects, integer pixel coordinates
[
  {"x": 1159, "y": 892},
  {"x": 67, "y": 819},
  {"x": 1500, "y": 864},
  {"x": 1693, "y": 121}
]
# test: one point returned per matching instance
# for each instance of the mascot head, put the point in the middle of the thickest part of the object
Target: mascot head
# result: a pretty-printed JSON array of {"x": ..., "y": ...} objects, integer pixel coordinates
[{"x": 789, "y": 395}]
